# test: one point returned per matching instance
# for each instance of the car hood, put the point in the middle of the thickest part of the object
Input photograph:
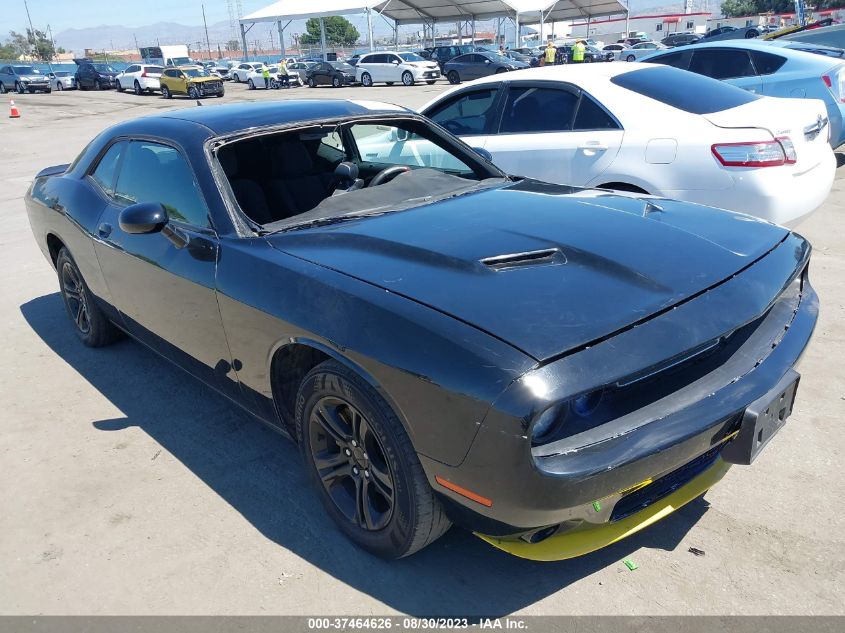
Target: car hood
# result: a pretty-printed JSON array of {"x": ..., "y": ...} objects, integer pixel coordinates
[
  {"x": 591, "y": 263},
  {"x": 202, "y": 80},
  {"x": 34, "y": 78}
]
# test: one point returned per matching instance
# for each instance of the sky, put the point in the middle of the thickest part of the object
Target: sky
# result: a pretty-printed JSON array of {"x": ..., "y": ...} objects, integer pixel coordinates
[{"x": 64, "y": 14}]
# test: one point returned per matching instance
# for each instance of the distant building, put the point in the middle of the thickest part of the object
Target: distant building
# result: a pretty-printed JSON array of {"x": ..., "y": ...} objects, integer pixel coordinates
[{"x": 655, "y": 27}]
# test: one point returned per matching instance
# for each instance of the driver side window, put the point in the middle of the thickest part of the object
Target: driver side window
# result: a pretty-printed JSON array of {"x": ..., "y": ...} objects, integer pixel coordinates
[{"x": 466, "y": 114}]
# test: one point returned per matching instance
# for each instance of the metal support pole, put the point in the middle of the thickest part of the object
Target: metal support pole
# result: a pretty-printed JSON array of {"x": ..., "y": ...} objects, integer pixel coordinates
[
  {"x": 542, "y": 26},
  {"x": 516, "y": 22},
  {"x": 370, "y": 29},
  {"x": 281, "y": 38},
  {"x": 243, "y": 43},
  {"x": 323, "y": 39},
  {"x": 395, "y": 37},
  {"x": 460, "y": 34},
  {"x": 473, "y": 30}
]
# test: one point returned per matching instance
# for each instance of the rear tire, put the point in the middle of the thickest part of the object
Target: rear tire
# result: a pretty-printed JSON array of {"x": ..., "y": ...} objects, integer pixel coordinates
[
  {"x": 250, "y": 84},
  {"x": 312, "y": 83},
  {"x": 90, "y": 324},
  {"x": 631, "y": 58},
  {"x": 137, "y": 87},
  {"x": 454, "y": 77},
  {"x": 336, "y": 82},
  {"x": 2, "y": 88},
  {"x": 378, "y": 494},
  {"x": 165, "y": 92},
  {"x": 60, "y": 86}
]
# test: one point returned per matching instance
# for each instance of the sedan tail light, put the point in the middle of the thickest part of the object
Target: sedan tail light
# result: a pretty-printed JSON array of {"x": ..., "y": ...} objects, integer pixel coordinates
[
  {"x": 788, "y": 150},
  {"x": 761, "y": 154},
  {"x": 835, "y": 82}
]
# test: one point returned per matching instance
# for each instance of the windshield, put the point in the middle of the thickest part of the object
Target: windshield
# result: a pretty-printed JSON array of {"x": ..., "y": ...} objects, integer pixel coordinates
[
  {"x": 196, "y": 72},
  {"x": 466, "y": 48},
  {"x": 411, "y": 57},
  {"x": 342, "y": 66},
  {"x": 27, "y": 70},
  {"x": 180, "y": 61},
  {"x": 104, "y": 68},
  {"x": 426, "y": 166},
  {"x": 62, "y": 73}
]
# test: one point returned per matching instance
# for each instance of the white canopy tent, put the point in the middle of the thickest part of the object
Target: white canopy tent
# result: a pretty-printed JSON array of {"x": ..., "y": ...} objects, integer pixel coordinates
[{"x": 424, "y": 12}]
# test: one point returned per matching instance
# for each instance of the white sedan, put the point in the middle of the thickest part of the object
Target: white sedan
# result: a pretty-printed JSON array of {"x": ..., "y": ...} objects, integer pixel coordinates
[
  {"x": 62, "y": 80},
  {"x": 649, "y": 129},
  {"x": 240, "y": 72},
  {"x": 255, "y": 79},
  {"x": 390, "y": 68},
  {"x": 638, "y": 51}
]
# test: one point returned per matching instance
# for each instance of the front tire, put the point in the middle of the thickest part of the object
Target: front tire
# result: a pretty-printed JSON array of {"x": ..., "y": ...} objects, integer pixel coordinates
[
  {"x": 90, "y": 324},
  {"x": 454, "y": 77},
  {"x": 407, "y": 78},
  {"x": 631, "y": 58},
  {"x": 193, "y": 93},
  {"x": 119, "y": 87},
  {"x": 366, "y": 80},
  {"x": 19, "y": 88},
  {"x": 312, "y": 83},
  {"x": 60, "y": 86},
  {"x": 363, "y": 464},
  {"x": 165, "y": 92},
  {"x": 336, "y": 82},
  {"x": 250, "y": 84}
]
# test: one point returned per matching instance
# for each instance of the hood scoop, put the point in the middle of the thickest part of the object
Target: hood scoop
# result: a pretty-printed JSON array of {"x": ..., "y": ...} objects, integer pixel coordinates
[{"x": 543, "y": 257}]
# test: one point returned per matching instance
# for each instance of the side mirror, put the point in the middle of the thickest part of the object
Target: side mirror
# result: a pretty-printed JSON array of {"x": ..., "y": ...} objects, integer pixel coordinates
[
  {"x": 483, "y": 153},
  {"x": 487, "y": 61},
  {"x": 396, "y": 61},
  {"x": 144, "y": 217}
]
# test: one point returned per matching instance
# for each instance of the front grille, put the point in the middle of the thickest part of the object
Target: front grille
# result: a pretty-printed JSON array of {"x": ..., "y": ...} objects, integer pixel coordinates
[{"x": 666, "y": 485}]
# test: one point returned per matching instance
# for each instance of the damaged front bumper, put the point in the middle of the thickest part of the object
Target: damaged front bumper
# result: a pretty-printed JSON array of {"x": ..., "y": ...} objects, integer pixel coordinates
[{"x": 583, "y": 491}]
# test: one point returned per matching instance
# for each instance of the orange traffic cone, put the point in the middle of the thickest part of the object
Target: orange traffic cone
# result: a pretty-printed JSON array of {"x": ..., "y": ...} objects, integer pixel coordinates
[{"x": 14, "y": 113}]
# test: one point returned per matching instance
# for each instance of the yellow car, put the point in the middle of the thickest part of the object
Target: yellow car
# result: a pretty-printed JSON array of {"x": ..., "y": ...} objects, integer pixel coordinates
[{"x": 191, "y": 81}]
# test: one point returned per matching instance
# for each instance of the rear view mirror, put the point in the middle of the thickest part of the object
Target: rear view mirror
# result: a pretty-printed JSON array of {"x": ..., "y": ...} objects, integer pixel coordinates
[{"x": 144, "y": 217}]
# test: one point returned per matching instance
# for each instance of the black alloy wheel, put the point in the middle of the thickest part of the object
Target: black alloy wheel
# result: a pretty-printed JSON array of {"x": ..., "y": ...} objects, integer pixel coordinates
[
  {"x": 90, "y": 324},
  {"x": 454, "y": 77},
  {"x": 362, "y": 462},
  {"x": 351, "y": 463}
]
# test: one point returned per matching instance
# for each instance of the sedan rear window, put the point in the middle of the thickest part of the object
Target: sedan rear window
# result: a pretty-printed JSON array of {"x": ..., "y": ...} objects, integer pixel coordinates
[{"x": 684, "y": 90}]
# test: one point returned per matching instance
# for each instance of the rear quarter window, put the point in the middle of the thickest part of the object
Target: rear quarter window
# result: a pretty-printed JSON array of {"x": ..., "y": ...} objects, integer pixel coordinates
[
  {"x": 684, "y": 90},
  {"x": 767, "y": 63}
]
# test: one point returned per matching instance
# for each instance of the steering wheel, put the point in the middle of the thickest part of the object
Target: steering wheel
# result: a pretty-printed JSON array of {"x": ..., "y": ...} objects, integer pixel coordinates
[
  {"x": 387, "y": 174},
  {"x": 454, "y": 127}
]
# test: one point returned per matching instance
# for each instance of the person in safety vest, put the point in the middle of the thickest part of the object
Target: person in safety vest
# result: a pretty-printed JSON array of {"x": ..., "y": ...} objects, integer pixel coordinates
[
  {"x": 284, "y": 78},
  {"x": 578, "y": 51},
  {"x": 550, "y": 53},
  {"x": 265, "y": 72}
]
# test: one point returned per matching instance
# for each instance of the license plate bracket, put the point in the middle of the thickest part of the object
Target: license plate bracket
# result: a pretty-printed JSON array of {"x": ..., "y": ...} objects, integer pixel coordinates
[{"x": 763, "y": 418}]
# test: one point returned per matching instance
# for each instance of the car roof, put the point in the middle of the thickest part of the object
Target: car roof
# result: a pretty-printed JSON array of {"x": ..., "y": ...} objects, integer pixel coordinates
[
  {"x": 759, "y": 45},
  {"x": 566, "y": 72},
  {"x": 225, "y": 119}
]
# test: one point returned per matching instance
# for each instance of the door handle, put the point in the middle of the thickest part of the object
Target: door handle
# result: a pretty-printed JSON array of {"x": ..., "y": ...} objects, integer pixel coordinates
[
  {"x": 104, "y": 230},
  {"x": 593, "y": 145}
]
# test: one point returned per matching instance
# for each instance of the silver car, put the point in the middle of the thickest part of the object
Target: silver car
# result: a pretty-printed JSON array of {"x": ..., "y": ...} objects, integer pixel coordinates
[
  {"x": 638, "y": 51},
  {"x": 62, "y": 80},
  {"x": 23, "y": 79}
]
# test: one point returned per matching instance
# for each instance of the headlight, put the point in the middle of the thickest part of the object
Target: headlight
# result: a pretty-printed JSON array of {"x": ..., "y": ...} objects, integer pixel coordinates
[
  {"x": 566, "y": 418},
  {"x": 548, "y": 422}
]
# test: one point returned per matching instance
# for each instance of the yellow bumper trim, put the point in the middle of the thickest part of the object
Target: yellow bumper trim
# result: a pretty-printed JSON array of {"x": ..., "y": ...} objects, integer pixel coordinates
[{"x": 585, "y": 540}]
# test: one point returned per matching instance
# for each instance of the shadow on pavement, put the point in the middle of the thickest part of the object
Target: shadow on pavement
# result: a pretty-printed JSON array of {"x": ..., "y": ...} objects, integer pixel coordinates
[{"x": 258, "y": 472}]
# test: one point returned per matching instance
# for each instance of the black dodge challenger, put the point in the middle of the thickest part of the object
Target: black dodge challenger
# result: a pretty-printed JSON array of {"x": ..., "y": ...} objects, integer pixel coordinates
[{"x": 552, "y": 368}]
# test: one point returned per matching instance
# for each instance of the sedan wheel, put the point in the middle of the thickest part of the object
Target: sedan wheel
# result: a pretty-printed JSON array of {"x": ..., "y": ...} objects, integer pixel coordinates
[
  {"x": 90, "y": 324},
  {"x": 366, "y": 80},
  {"x": 454, "y": 77},
  {"x": 250, "y": 84},
  {"x": 138, "y": 90},
  {"x": 165, "y": 92},
  {"x": 19, "y": 87},
  {"x": 193, "y": 93},
  {"x": 119, "y": 86},
  {"x": 364, "y": 465},
  {"x": 407, "y": 78},
  {"x": 312, "y": 83},
  {"x": 60, "y": 86},
  {"x": 631, "y": 58},
  {"x": 336, "y": 82}
]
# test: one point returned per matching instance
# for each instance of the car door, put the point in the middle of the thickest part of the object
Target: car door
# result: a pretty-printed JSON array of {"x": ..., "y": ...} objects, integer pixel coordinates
[
  {"x": 474, "y": 66},
  {"x": 163, "y": 282},
  {"x": 538, "y": 137},
  {"x": 393, "y": 67},
  {"x": 732, "y": 65},
  {"x": 471, "y": 113}
]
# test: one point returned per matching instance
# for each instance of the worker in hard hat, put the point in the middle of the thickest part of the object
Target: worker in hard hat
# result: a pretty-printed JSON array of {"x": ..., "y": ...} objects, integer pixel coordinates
[
  {"x": 551, "y": 51},
  {"x": 578, "y": 51}
]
